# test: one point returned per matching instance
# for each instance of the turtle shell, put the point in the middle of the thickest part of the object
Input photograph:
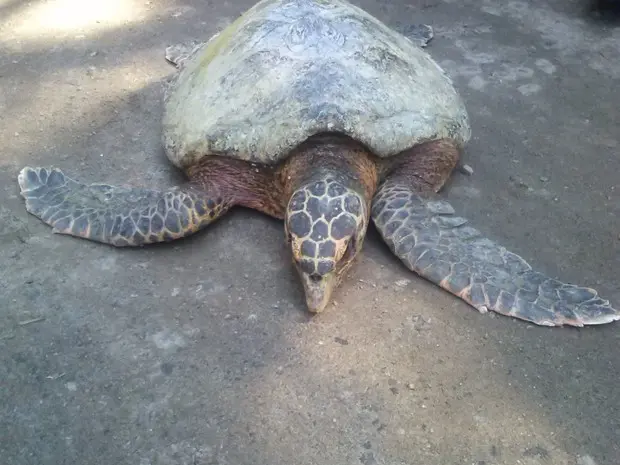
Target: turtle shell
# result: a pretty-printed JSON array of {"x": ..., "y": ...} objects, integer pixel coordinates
[{"x": 288, "y": 69}]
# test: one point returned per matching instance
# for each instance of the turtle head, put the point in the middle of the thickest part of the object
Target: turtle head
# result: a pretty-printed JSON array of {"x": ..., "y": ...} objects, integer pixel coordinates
[{"x": 325, "y": 226}]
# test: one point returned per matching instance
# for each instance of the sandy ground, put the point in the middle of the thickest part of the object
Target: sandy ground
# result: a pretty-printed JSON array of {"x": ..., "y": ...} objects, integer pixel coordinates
[{"x": 200, "y": 352}]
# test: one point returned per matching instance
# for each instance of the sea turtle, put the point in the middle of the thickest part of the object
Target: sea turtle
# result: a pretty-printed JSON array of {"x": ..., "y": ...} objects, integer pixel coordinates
[{"x": 317, "y": 113}]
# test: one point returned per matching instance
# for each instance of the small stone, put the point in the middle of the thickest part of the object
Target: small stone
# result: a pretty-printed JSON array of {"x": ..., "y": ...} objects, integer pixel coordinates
[
  {"x": 518, "y": 181},
  {"x": 341, "y": 341},
  {"x": 410, "y": 386},
  {"x": 402, "y": 282},
  {"x": 544, "y": 178},
  {"x": 466, "y": 169}
]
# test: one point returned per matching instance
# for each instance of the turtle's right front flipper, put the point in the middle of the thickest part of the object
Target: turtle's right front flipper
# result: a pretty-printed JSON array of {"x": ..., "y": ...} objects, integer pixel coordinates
[{"x": 118, "y": 216}]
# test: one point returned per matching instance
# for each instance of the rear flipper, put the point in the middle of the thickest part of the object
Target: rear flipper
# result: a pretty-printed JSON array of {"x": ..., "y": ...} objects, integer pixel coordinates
[
  {"x": 116, "y": 215},
  {"x": 431, "y": 240},
  {"x": 419, "y": 34},
  {"x": 178, "y": 54}
]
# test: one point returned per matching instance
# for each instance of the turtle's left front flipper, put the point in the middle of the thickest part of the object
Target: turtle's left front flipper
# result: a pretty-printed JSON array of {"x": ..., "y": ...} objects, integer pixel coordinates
[
  {"x": 120, "y": 216},
  {"x": 431, "y": 240}
]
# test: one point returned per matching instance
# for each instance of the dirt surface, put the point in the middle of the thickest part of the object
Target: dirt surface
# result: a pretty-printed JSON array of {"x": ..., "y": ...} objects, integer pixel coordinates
[{"x": 200, "y": 352}]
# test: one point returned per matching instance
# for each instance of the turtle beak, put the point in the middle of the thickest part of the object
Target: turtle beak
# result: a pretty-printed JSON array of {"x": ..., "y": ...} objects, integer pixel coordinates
[{"x": 318, "y": 290}]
